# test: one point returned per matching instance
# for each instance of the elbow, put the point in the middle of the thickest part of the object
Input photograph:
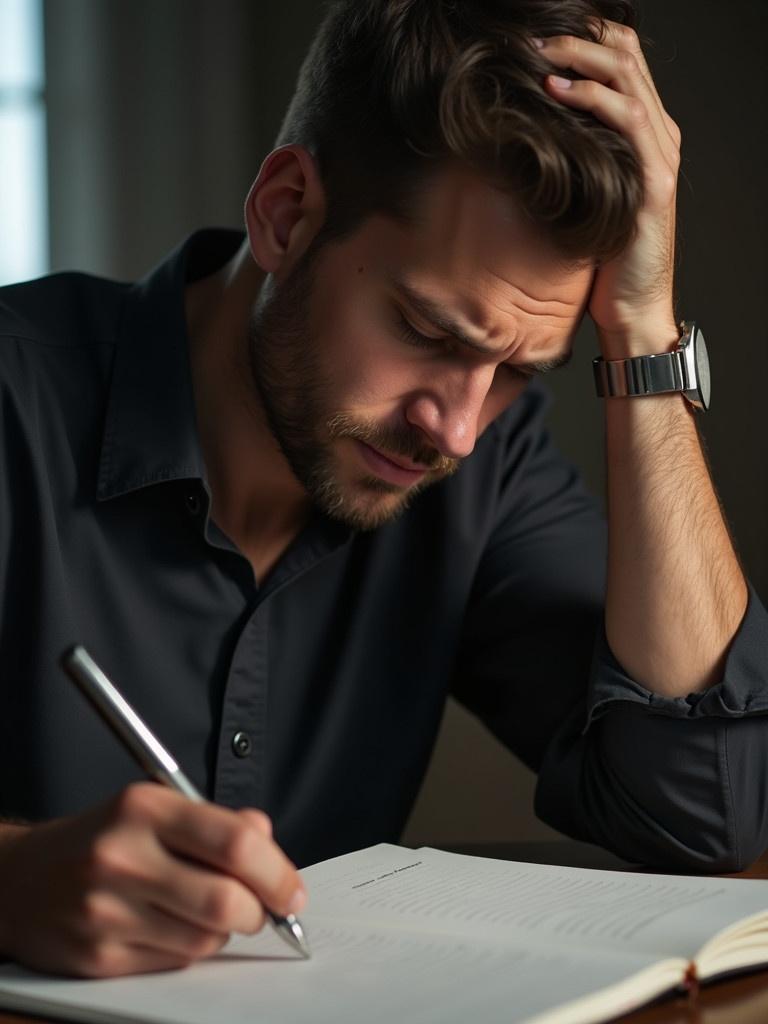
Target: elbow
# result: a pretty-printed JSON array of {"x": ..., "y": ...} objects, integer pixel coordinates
[
  {"x": 727, "y": 857},
  {"x": 725, "y": 861},
  {"x": 698, "y": 851}
]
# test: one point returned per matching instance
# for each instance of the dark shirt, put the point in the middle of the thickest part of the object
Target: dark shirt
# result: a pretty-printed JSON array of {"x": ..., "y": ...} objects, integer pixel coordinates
[{"x": 318, "y": 694}]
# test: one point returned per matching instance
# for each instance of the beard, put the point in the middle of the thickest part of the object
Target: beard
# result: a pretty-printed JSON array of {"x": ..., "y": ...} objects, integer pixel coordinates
[{"x": 297, "y": 396}]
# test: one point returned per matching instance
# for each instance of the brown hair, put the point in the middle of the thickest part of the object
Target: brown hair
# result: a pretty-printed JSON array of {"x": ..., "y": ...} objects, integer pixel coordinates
[{"x": 391, "y": 90}]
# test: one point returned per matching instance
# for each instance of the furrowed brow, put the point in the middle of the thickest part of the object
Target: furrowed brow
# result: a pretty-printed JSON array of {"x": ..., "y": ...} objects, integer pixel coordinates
[
  {"x": 437, "y": 316},
  {"x": 433, "y": 313}
]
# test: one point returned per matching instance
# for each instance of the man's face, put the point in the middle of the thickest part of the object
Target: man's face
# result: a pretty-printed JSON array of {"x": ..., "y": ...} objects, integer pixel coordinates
[{"x": 381, "y": 362}]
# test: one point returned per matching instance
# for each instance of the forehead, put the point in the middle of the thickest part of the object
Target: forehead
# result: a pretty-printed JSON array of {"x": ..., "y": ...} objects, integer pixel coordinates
[{"x": 472, "y": 246}]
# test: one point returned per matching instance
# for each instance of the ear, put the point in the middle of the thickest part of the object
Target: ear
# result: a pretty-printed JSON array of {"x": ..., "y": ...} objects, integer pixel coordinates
[{"x": 285, "y": 208}]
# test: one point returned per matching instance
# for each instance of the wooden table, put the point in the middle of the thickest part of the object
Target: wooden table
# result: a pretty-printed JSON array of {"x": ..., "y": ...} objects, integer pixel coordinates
[{"x": 742, "y": 1000}]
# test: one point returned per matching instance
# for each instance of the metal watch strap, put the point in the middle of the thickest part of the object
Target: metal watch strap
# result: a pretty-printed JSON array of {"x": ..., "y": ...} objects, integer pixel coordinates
[{"x": 640, "y": 375}]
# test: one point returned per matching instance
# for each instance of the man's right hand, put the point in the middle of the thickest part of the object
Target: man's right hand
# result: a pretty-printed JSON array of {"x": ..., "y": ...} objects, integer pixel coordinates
[{"x": 147, "y": 882}]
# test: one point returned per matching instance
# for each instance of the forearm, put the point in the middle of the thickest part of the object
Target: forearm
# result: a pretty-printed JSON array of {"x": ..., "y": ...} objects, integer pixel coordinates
[{"x": 676, "y": 593}]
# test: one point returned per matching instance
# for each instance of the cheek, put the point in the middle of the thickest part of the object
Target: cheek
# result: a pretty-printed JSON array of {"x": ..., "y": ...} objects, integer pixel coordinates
[{"x": 365, "y": 367}]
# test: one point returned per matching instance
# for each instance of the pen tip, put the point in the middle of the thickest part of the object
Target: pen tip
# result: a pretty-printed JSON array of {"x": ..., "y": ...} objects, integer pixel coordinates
[{"x": 292, "y": 931}]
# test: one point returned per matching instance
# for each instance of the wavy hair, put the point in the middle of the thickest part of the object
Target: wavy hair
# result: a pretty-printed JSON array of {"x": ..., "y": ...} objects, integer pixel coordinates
[{"x": 392, "y": 90}]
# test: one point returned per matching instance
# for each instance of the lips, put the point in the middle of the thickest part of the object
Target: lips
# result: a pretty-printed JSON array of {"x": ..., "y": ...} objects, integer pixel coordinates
[
  {"x": 413, "y": 467},
  {"x": 388, "y": 469}
]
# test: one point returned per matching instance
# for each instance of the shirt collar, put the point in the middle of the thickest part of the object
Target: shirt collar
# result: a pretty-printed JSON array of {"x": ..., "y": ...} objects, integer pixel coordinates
[{"x": 150, "y": 432}]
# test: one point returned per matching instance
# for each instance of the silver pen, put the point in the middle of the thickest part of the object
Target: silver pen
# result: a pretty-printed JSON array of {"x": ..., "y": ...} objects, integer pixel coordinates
[{"x": 151, "y": 755}]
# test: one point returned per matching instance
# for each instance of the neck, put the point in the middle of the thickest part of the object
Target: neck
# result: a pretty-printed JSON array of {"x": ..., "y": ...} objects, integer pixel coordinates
[{"x": 256, "y": 499}]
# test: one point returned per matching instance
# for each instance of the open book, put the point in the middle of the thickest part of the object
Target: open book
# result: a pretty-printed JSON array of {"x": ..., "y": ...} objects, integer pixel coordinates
[{"x": 425, "y": 936}]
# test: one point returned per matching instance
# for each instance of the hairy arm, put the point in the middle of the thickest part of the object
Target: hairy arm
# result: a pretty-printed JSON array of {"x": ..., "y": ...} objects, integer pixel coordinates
[{"x": 676, "y": 593}]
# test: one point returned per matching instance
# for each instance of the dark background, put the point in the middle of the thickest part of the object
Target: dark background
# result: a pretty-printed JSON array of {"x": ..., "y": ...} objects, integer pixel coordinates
[{"x": 161, "y": 111}]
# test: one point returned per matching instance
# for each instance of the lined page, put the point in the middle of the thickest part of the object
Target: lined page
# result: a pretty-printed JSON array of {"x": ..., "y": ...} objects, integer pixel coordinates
[
  {"x": 431, "y": 938},
  {"x": 667, "y": 915},
  {"x": 355, "y": 974}
]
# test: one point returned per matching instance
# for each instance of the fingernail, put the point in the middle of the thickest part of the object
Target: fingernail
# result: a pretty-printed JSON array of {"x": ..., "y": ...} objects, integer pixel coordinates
[
  {"x": 298, "y": 902},
  {"x": 538, "y": 43},
  {"x": 560, "y": 83}
]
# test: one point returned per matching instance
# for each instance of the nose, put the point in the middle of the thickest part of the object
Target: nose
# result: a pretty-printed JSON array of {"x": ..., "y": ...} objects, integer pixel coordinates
[{"x": 448, "y": 409}]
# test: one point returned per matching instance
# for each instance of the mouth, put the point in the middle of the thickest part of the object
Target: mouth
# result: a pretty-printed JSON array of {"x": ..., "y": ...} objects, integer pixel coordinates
[{"x": 399, "y": 471}]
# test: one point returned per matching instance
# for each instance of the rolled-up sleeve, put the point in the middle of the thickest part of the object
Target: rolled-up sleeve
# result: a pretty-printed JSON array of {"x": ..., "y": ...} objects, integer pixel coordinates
[
  {"x": 741, "y": 691},
  {"x": 678, "y": 783},
  {"x": 672, "y": 782}
]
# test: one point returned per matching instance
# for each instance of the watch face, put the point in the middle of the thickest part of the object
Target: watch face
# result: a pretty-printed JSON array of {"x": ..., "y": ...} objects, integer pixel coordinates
[{"x": 702, "y": 367}]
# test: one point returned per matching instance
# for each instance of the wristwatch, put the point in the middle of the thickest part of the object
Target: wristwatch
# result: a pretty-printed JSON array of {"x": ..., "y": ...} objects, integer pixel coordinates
[{"x": 684, "y": 369}]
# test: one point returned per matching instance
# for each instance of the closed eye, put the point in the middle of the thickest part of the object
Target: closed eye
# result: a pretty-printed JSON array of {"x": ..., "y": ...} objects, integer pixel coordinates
[{"x": 411, "y": 336}]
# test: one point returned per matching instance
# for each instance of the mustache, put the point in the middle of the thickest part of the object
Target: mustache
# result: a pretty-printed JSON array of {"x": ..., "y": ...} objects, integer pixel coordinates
[{"x": 395, "y": 440}]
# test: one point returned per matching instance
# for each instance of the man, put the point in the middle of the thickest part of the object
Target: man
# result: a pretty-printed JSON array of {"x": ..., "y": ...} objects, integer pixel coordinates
[{"x": 292, "y": 490}]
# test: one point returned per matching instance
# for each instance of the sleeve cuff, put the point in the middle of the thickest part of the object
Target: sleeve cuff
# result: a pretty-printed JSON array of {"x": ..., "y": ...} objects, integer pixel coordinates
[{"x": 743, "y": 690}]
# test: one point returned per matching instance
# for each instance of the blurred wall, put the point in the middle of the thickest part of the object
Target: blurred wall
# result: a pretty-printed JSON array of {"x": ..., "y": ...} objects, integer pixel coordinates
[{"x": 160, "y": 112}]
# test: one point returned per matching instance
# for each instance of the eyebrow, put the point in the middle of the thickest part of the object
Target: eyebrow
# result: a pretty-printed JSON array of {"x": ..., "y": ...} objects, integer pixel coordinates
[{"x": 438, "y": 317}]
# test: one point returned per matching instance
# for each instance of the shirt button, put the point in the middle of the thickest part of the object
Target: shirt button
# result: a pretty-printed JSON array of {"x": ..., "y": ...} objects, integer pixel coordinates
[
  {"x": 192, "y": 501},
  {"x": 241, "y": 744}
]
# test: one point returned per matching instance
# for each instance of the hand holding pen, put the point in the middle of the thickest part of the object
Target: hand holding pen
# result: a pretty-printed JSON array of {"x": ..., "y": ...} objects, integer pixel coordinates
[
  {"x": 160, "y": 766},
  {"x": 148, "y": 881}
]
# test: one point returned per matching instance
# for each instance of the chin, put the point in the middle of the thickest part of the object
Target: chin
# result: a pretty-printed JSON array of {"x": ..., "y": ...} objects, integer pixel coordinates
[
  {"x": 363, "y": 505},
  {"x": 373, "y": 510},
  {"x": 360, "y": 500}
]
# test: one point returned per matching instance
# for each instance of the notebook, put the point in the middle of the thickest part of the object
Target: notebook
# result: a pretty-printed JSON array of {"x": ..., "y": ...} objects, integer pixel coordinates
[{"x": 425, "y": 936}]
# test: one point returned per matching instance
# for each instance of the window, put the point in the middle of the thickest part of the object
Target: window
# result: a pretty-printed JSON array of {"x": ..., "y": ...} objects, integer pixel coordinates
[{"x": 23, "y": 178}]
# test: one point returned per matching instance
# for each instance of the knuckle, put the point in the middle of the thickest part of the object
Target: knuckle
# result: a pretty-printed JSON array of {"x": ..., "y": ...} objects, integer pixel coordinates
[
  {"x": 239, "y": 846},
  {"x": 203, "y": 944},
  {"x": 628, "y": 37},
  {"x": 261, "y": 821},
  {"x": 99, "y": 960},
  {"x": 103, "y": 860},
  {"x": 109, "y": 861},
  {"x": 637, "y": 112},
  {"x": 221, "y": 906},
  {"x": 136, "y": 802},
  {"x": 256, "y": 920},
  {"x": 626, "y": 62},
  {"x": 93, "y": 913},
  {"x": 571, "y": 44},
  {"x": 589, "y": 89}
]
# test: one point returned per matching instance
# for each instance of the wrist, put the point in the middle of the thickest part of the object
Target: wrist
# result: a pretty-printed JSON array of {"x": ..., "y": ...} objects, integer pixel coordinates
[{"x": 646, "y": 338}]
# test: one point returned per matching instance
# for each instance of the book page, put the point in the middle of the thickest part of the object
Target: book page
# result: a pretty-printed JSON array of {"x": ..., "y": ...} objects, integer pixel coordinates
[
  {"x": 355, "y": 974},
  {"x": 667, "y": 915},
  {"x": 431, "y": 938}
]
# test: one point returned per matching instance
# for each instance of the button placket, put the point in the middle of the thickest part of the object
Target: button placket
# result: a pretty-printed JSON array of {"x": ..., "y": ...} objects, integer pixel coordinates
[{"x": 240, "y": 765}]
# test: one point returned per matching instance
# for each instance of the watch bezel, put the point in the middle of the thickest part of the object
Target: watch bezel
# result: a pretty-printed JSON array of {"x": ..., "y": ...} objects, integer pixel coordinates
[{"x": 696, "y": 363}]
